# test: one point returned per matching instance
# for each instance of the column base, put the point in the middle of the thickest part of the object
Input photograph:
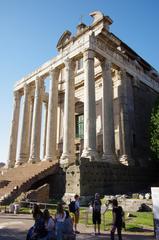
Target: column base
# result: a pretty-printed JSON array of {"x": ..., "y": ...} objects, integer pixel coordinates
[
  {"x": 50, "y": 159},
  {"x": 91, "y": 154},
  {"x": 17, "y": 164},
  {"x": 23, "y": 158},
  {"x": 9, "y": 165},
  {"x": 126, "y": 160},
  {"x": 67, "y": 160},
  {"x": 109, "y": 158},
  {"x": 34, "y": 160}
]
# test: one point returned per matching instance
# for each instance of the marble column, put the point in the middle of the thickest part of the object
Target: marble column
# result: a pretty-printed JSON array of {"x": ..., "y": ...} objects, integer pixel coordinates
[
  {"x": 45, "y": 128},
  {"x": 107, "y": 114},
  {"x": 68, "y": 155},
  {"x": 52, "y": 117},
  {"x": 23, "y": 150},
  {"x": 36, "y": 124},
  {"x": 30, "y": 122},
  {"x": 89, "y": 150},
  {"x": 14, "y": 131},
  {"x": 125, "y": 119}
]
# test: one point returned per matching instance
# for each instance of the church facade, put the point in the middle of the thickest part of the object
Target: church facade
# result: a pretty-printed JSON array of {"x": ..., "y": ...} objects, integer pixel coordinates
[{"x": 98, "y": 107}]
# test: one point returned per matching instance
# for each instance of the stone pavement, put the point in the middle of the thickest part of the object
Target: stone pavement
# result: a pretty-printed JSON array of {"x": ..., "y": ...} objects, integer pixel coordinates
[{"x": 14, "y": 227}]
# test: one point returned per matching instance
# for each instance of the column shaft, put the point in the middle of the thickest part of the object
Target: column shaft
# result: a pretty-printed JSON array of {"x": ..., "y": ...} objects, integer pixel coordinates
[
  {"x": 30, "y": 123},
  {"x": 45, "y": 129},
  {"x": 52, "y": 117},
  {"x": 107, "y": 114},
  {"x": 23, "y": 151},
  {"x": 14, "y": 131},
  {"x": 89, "y": 150},
  {"x": 36, "y": 125},
  {"x": 126, "y": 119},
  {"x": 68, "y": 155}
]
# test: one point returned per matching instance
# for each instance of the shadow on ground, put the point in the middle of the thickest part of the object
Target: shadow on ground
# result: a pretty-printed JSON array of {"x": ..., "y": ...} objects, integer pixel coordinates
[
  {"x": 12, "y": 234},
  {"x": 18, "y": 234},
  {"x": 84, "y": 236},
  {"x": 137, "y": 229}
]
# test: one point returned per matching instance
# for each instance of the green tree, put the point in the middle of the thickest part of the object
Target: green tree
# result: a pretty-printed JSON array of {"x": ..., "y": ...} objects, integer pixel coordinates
[{"x": 154, "y": 130}]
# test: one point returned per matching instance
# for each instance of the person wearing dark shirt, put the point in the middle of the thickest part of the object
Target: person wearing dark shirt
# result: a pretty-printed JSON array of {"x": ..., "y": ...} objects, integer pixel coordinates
[
  {"x": 38, "y": 230},
  {"x": 117, "y": 213},
  {"x": 96, "y": 215}
]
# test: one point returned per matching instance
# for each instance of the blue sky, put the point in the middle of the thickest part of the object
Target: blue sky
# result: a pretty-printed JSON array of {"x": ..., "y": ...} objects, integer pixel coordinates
[{"x": 30, "y": 29}]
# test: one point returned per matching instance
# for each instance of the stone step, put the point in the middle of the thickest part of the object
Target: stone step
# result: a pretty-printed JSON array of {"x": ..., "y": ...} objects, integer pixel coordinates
[{"x": 22, "y": 177}]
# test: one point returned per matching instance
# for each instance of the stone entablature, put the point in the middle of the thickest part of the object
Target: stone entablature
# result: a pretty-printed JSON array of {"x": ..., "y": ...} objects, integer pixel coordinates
[{"x": 108, "y": 71}]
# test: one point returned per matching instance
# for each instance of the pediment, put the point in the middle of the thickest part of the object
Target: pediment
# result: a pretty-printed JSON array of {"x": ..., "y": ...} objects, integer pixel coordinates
[{"x": 65, "y": 37}]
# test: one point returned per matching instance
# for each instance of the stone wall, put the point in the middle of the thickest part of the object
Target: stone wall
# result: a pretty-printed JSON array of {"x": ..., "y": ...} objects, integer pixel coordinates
[
  {"x": 92, "y": 177},
  {"x": 41, "y": 194},
  {"x": 144, "y": 100},
  {"x": 134, "y": 205}
]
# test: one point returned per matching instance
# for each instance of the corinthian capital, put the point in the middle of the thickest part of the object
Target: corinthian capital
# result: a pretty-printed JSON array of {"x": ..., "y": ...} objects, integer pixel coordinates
[
  {"x": 123, "y": 73},
  {"x": 26, "y": 89},
  {"x": 16, "y": 96},
  {"x": 53, "y": 70},
  {"x": 88, "y": 54},
  {"x": 105, "y": 64}
]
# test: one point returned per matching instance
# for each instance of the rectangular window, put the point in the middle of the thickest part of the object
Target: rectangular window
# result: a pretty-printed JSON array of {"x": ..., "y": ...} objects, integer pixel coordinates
[{"x": 80, "y": 126}]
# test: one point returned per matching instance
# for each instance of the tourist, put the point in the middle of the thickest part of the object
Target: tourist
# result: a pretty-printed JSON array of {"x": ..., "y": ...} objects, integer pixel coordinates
[
  {"x": 117, "y": 222},
  {"x": 96, "y": 214},
  {"x": 59, "y": 221},
  {"x": 49, "y": 225},
  {"x": 38, "y": 230},
  {"x": 68, "y": 226},
  {"x": 76, "y": 213}
]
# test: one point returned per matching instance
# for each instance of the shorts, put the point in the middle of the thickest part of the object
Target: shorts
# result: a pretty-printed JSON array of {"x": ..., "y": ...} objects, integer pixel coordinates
[
  {"x": 96, "y": 218},
  {"x": 75, "y": 217}
]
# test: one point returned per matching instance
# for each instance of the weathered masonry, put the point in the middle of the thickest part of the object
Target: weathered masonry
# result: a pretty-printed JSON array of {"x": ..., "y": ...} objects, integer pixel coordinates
[{"x": 98, "y": 106}]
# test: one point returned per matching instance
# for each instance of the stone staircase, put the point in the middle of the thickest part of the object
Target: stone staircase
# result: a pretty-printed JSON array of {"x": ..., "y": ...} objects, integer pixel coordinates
[{"x": 21, "y": 178}]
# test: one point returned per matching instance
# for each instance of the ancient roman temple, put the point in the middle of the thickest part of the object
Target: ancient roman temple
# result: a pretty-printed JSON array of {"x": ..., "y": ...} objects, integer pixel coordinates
[{"x": 97, "y": 109}]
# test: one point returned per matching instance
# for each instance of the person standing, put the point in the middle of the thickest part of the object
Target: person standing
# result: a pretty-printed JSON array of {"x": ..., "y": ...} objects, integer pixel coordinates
[
  {"x": 96, "y": 215},
  {"x": 49, "y": 224},
  {"x": 117, "y": 213},
  {"x": 76, "y": 213},
  {"x": 59, "y": 221},
  {"x": 38, "y": 230}
]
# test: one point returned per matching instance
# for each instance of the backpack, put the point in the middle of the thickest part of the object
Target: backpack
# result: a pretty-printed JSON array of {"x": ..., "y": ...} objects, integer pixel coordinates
[{"x": 71, "y": 207}]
